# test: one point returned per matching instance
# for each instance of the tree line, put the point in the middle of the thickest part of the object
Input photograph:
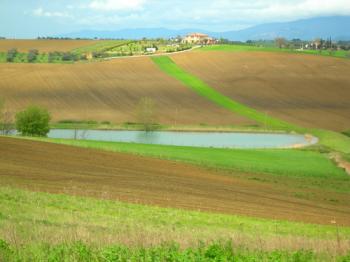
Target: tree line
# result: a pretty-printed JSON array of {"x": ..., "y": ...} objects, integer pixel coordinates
[{"x": 33, "y": 56}]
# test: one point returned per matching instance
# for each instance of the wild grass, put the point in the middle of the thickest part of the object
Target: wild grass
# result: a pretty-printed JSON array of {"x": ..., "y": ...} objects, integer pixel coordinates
[
  {"x": 245, "y": 48},
  {"x": 217, "y": 251},
  {"x": 48, "y": 227},
  {"x": 333, "y": 140}
]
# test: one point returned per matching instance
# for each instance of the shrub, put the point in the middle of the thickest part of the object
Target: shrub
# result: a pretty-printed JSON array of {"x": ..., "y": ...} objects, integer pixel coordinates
[
  {"x": 11, "y": 55},
  {"x": 146, "y": 114},
  {"x": 32, "y": 55},
  {"x": 33, "y": 121}
]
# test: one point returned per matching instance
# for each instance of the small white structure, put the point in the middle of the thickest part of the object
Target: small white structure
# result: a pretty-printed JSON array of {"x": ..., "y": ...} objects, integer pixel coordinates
[{"x": 151, "y": 49}]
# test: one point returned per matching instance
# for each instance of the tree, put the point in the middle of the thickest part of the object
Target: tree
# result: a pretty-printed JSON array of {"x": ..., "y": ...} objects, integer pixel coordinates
[
  {"x": 280, "y": 42},
  {"x": 146, "y": 114},
  {"x": 11, "y": 55},
  {"x": 33, "y": 121},
  {"x": 32, "y": 55},
  {"x": 5, "y": 119}
]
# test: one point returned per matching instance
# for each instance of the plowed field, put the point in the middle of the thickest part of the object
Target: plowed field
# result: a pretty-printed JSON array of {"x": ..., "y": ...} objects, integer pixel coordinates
[
  {"x": 308, "y": 90},
  {"x": 43, "y": 45},
  {"x": 107, "y": 91},
  {"x": 63, "y": 169}
]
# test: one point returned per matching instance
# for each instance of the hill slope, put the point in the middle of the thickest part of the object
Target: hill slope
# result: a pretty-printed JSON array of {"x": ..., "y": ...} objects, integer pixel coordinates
[
  {"x": 107, "y": 91},
  {"x": 306, "y": 29},
  {"x": 310, "y": 91},
  {"x": 101, "y": 174}
]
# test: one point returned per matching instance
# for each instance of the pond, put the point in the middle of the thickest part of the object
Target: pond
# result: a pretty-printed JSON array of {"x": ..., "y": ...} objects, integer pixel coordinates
[{"x": 197, "y": 139}]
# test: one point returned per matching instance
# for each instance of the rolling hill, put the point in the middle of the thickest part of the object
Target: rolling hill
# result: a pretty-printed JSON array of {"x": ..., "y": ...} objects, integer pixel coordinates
[
  {"x": 107, "y": 91},
  {"x": 307, "y": 90}
]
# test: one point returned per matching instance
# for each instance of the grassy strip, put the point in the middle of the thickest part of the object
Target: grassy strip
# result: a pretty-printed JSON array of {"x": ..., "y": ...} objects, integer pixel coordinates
[
  {"x": 244, "y": 48},
  {"x": 168, "y": 66},
  {"x": 287, "y": 162},
  {"x": 330, "y": 139},
  {"x": 47, "y": 226}
]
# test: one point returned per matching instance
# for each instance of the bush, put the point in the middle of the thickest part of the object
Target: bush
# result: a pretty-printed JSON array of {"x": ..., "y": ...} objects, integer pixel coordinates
[
  {"x": 33, "y": 121},
  {"x": 11, "y": 55},
  {"x": 32, "y": 55}
]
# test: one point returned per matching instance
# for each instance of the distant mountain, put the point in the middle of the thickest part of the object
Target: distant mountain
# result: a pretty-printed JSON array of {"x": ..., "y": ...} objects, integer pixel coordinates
[
  {"x": 137, "y": 33},
  {"x": 336, "y": 27}
]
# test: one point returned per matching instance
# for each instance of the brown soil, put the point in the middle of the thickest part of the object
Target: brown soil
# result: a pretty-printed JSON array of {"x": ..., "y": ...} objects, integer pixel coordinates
[
  {"x": 63, "y": 169},
  {"x": 308, "y": 90},
  {"x": 43, "y": 45},
  {"x": 107, "y": 91}
]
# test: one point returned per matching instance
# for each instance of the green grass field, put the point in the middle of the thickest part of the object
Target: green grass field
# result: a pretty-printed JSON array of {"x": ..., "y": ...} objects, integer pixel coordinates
[
  {"x": 48, "y": 227},
  {"x": 245, "y": 48},
  {"x": 286, "y": 162}
]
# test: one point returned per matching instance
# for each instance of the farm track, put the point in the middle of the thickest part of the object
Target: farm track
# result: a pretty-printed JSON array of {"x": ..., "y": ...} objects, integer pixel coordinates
[
  {"x": 107, "y": 91},
  {"x": 55, "y": 168},
  {"x": 306, "y": 90}
]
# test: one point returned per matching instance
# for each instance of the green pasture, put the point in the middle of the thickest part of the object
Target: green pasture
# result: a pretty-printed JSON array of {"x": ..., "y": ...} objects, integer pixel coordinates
[
  {"x": 244, "y": 48},
  {"x": 48, "y": 227},
  {"x": 284, "y": 162}
]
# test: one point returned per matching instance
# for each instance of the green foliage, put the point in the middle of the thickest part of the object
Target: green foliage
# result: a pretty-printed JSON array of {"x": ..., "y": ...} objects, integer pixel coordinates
[
  {"x": 146, "y": 114},
  {"x": 32, "y": 55},
  {"x": 347, "y": 133},
  {"x": 33, "y": 121},
  {"x": 11, "y": 55},
  {"x": 219, "y": 251},
  {"x": 5, "y": 251}
]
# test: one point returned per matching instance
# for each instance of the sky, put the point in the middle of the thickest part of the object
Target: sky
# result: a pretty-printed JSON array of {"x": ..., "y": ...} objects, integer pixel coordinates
[{"x": 32, "y": 18}]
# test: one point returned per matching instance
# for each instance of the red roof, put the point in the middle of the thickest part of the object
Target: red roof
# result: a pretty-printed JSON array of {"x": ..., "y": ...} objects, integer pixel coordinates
[{"x": 197, "y": 35}]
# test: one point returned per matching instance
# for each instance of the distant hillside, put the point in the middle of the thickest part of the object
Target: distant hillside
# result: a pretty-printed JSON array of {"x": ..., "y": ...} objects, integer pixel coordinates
[
  {"x": 335, "y": 27},
  {"x": 137, "y": 33}
]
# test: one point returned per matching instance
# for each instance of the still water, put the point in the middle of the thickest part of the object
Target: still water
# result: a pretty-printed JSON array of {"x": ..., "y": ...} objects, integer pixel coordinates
[{"x": 197, "y": 139}]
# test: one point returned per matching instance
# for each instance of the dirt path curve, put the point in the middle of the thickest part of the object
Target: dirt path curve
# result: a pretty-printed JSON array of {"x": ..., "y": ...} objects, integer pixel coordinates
[
  {"x": 161, "y": 54},
  {"x": 341, "y": 162}
]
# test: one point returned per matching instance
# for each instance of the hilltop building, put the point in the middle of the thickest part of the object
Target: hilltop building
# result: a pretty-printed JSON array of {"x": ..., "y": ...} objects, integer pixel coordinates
[{"x": 199, "y": 39}]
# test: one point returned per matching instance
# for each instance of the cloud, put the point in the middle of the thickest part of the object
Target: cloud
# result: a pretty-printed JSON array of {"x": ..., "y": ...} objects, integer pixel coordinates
[
  {"x": 116, "y": 5},
  {"x": 42, "y": 13},
  {"x": 218, "y": 15}
]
